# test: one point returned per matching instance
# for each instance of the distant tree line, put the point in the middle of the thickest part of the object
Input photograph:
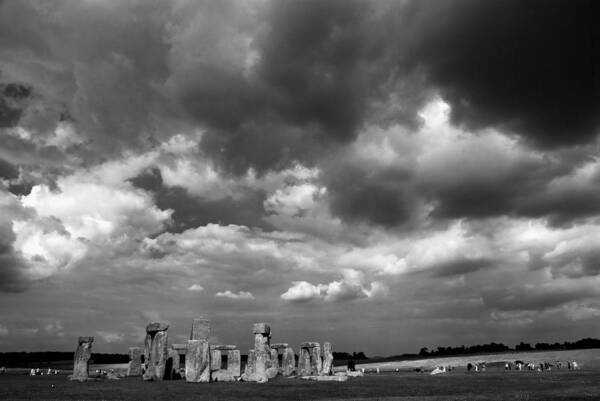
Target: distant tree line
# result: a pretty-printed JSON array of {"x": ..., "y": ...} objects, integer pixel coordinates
[
  {"x": 495, "y": 347},
  {"x": 347, "y": 356}
]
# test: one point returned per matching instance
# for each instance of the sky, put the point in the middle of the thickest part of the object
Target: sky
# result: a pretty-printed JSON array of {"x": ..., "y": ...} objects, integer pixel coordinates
[{"x": 384, "y": 175}]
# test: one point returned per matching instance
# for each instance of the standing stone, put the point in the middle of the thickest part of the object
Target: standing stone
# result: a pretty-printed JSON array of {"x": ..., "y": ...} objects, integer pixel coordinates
[
  {"x": 316, "y": 364},
  {"x": 304, "y": 362},
  {"x": 155, "y": 351},
  {"x": 134, "y": 368},
  {"x": 288, "y": 362},
  {"x": 327, "y": 359},
  {"x": 200, "y": 329},
  {"x": 262, "y": 349},
  {"x": 172, "y": 371},
  {"x": 197, "y": 362},
  {"x": 81, "y": 358},
  {"x": 233, "y": 363},
  {"x": 250, "y": 363},
  {"x": 275, "y": 361},
  {"x": 215, "y": 360}
]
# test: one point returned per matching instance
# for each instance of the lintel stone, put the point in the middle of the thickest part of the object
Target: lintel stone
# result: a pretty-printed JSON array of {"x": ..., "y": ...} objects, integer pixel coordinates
[
  {"x": 261, "y": 328},
  {"x": 156, "y": 326},
  {"x": 223, "y": 347},
  {"x": 309, "y": 344},
  {"x": 279, "y": 346}
]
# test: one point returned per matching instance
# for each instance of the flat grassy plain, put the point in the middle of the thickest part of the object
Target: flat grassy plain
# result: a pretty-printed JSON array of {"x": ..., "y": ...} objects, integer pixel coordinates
[{"x": 457, "y": 385}]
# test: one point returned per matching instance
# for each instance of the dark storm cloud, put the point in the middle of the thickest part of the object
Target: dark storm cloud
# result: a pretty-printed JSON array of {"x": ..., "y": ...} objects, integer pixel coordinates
[
  {"x": 12, "y": 266},
  {"x": 460, "y": 266},
  {"x": 532, "y": 67},
  {"x": 8, "y": 170},
  {"x": 190, "y": 211},
  {"x": 13, "y": 99},
  {"x": 321, "y": 68},
  {"x": 385, "y": 198}
]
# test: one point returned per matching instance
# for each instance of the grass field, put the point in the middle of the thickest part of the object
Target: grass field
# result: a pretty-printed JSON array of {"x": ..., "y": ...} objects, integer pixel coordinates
[
  {"x": 493, "y": 384},
  {"x": 459, "y": 385}
]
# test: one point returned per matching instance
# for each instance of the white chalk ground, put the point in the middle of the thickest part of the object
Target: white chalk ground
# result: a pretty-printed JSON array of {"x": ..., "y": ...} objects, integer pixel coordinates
[{"x": 587, "y": 358}]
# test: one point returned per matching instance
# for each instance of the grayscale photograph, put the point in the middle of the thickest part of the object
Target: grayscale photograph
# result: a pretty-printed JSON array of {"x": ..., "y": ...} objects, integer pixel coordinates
[{"x": 299, "y": 200}]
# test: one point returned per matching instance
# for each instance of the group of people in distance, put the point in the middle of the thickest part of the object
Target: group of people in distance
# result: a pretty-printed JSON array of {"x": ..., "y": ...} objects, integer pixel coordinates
[
  {"x": 40, "y": 372},
  {"x": 542, "y": 366}
]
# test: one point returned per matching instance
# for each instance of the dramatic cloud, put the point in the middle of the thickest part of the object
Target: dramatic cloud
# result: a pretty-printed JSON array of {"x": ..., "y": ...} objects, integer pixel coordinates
[{"x": 340, "y": 169}]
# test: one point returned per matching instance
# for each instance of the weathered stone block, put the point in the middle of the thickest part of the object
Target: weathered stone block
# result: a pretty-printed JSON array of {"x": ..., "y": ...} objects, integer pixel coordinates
[
  {"x": 262, "y": 343},
  {"x": 222, "y": 375},
  {"x": 81, "y": 358},
  {"x": 304, "y": 368},
  {"x": 181, "y": 348},
  {"x": 197, "y": 362},
  {"x": 261, "y": 328},
  {"x": 250, "y": 363},
  {"x": 157, "y": 355},
  {"x": 172, "y": 365},
  {"x": 316, "y": 364},
  {"x": 156, "y": 326},
  {"x": 200, "y": 329},
  {"x": 273, "y": 364},
  {"x": 327, "y": 359},
  {"x": 280, "y": 345},
  {"x": 288, "y": 362},
  {"x": 233, "y": 362},
  {"x": 263, "y": 362},
  {"x": 134, "y": 368},
  {"x": 215, "y": 360}
]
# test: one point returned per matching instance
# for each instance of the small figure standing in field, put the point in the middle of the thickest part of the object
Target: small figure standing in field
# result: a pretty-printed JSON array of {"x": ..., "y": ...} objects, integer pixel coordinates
[
  {"x": 469, "y": 367},
  {"x": 351, "y": 366},
  {"x": 575, "y": 366}
]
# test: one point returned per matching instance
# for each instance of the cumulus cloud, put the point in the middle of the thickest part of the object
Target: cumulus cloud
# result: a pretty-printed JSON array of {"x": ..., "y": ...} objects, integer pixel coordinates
[
  {"x": 241, "y": 295},
  {"x": 349, "y": 288},
  {"x": 195, "y": 287}
]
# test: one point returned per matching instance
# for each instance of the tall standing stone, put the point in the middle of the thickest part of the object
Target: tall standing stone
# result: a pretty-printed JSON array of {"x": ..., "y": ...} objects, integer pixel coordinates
[
  {"x": 327, "y": 359},
  {"x": 134, "y": 368},
  {"x": 156, "y": 351},
  {"x": 316, "y": 364},
  {"x": 233, "y": 363},
  {"x": 197, "y": 362},
  {"x": 200, "y": 329},
  {"x": 250, "y": 364},
  {"x": 304, "y": 362},
  {"x": 275, "y": 369},
  {"x": 172, "y": 367},
  {"x": 81, "y": 358},
  {"x": 262, "y": 349},
  {"x": 215, "y": 360},
  {"x": 288, "y": 362}
]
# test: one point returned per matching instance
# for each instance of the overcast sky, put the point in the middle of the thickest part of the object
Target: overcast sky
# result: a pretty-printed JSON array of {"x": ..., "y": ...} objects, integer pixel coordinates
[{"x": 384, "y": 175}]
